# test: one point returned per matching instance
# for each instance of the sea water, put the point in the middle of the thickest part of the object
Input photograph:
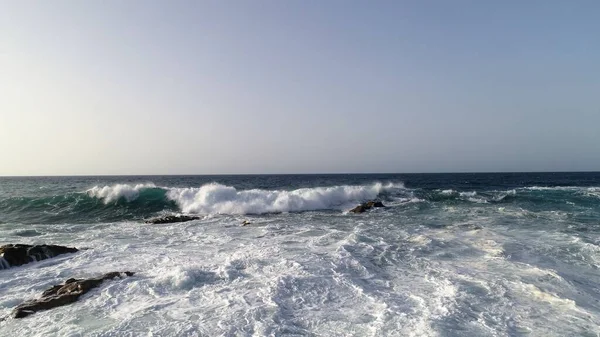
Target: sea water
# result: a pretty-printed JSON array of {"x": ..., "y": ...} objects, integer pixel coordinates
[{"x": 451, "y": 255}]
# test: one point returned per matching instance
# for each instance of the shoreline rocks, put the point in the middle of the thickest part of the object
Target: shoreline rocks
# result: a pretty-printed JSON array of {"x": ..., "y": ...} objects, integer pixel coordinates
[
  {"x": 63, "y": 294},
  {"x": 172, "y": 219},
  {"x": 367, "y": 206},
  {"x": 14, "y": 255}
]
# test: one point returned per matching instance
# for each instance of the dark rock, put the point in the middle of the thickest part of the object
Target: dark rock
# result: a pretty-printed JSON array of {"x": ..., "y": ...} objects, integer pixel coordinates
[
  {"x": 359, "y": 209},
  {"x": 366, "y": 206},
  {"x": 172, "y": 219},
  {"x": 63, "y": 294},
  {"x": 16, "y": 255},
  {"x": 375, "y": 204}
]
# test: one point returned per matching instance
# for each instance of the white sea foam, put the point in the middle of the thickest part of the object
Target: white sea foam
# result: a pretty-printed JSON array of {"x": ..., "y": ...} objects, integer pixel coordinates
[
  {"x": 478, "y": 200},
  {"x": 221, "y": 199},
  {"x": 303, "y": 274},
  {"x": 581, "y": 189},
  {"x": 503, "y": 194},
  {"x": 216, "y": 198},
  {"x": 549, "y": 188},
  {"x": 472, "y": 197},
  {"x": 538, "y": 294},
  {"x": 317, "y": 273},
  {"x": 115, "y": 192},
  {"x": 491, "y": 248},
  {"x": 592, "y": 192}
]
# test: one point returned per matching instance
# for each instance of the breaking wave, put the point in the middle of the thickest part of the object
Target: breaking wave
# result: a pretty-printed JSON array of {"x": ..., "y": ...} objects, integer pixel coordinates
[
  {"x": 220, "y": 199},
  {"x": 216, "y": 198},
  {"x": 139, "y": 201},
  {"x": 118, "y": 191}
]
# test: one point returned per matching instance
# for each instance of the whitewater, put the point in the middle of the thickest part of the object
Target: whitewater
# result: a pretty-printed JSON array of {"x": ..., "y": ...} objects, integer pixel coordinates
[
  {"x": 449, "y": 255},
  {"x": 215, "y": 198}
]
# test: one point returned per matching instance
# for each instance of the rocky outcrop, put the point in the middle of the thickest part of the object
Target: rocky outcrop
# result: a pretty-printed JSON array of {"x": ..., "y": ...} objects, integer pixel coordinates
[
  {"x": 16, "y": 255},
  {"x": 63, "y": 294},
  {"x": 366, "y": 206},
  {"x": 172, "y": 219}
]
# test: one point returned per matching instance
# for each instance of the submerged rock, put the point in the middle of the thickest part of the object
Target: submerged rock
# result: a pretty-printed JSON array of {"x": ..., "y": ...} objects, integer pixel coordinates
[
  {"x": 366, "y": 206},
  {"x": 172, "y": 219},
  {"x": 16, "y": 255},
  {"x": 63, "y": 294}
]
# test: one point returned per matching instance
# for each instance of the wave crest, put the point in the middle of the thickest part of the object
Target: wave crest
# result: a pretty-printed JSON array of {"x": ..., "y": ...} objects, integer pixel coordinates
[
  {"x": 115, "y": 192},
  {"x": 215, "y": 198}
]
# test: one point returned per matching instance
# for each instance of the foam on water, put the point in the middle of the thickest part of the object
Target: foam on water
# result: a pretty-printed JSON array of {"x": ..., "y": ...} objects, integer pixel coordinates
[
  {"x": 593, "y": 192},
  {"x": 219, "y": 199},
  {"x": 214, "y": 198},
  {"x": 118, "y": 191},
  {"x": 438, "y": 266},
  {"x": 295, "y": 274}
]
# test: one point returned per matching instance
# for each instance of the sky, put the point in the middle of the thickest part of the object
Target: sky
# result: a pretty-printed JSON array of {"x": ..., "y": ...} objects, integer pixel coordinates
[{"x": 227, "y": 87}]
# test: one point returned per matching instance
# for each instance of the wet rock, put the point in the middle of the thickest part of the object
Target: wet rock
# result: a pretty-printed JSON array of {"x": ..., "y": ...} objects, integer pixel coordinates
[
  {"x": 172, "y": 219},
  {"x": 358, "y": 209},
  {"x": 63, "y": 294},
  {"x": 375, "y": 204},
  {"x": 16, "y": 255},
  {"x": 366, "y": 206}
]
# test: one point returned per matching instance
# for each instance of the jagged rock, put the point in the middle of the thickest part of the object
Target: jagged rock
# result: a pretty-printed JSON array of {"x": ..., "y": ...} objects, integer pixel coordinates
[
  {"x": 172, "y": 219},
  {"x": 16, "y": 255},
  {"x": 366, "y": 206},
  {"x": 371, "y": 204},
  {"x": 63, "y": 294},
  {"x": 358, "y": 209}
]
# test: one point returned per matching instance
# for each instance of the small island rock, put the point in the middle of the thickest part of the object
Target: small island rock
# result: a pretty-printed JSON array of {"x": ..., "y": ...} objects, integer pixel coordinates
[
  {"x": 366, "y": 206},
  {"x": 172, "y": 219},
  {"x": 63, "y": 294},
  {"x": 13, "y": 255}
]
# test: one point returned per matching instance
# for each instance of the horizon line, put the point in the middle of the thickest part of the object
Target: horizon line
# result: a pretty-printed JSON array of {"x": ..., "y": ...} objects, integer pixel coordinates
[{"x": 284, "y": 174}]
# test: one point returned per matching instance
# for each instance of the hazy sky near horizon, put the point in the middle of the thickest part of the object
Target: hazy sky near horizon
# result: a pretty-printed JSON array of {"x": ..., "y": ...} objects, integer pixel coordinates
[{"x": 209, "y": 87}]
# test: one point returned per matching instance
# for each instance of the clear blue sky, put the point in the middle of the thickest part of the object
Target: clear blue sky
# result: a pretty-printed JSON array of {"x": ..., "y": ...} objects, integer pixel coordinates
[{"x": 208, "y": 87}]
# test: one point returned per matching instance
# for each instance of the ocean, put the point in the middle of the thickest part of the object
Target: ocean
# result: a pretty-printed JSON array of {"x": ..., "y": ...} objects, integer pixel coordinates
[{"x": 482, "y": 254}]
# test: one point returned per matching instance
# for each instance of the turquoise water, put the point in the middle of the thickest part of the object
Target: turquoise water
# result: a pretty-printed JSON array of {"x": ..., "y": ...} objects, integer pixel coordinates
[{"x": 451, "y": 255}]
